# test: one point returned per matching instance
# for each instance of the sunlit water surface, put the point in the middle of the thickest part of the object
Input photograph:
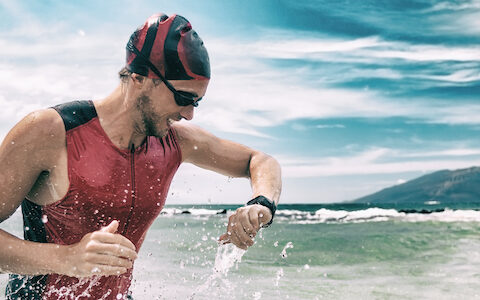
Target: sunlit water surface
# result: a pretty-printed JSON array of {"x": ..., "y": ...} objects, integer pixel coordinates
[{"x": 322, "y": 253}]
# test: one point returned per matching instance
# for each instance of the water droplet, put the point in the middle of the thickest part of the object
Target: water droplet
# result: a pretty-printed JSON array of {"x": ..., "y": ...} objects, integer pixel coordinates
[
  {"x": 279, "y": 275},
  {"x": 95, "y": 212},
  {"x": 284, "y": 251},
  {"x": 119, "y": 296},
  {"x": 44, "y": 219}
]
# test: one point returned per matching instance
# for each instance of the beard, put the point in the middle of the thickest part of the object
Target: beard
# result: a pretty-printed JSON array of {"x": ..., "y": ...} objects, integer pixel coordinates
[{"x": 144, "y": 105}]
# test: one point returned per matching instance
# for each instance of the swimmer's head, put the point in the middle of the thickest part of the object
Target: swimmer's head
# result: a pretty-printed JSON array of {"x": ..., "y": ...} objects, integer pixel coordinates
[{"x": 173, "y": 47}]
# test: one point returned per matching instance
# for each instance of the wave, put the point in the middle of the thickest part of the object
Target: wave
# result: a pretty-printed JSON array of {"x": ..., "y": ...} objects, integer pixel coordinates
[
  {"x": 193, "y": 211},
  {"x": 379, "y": 214},
  {"x": 324, "y": 215}
]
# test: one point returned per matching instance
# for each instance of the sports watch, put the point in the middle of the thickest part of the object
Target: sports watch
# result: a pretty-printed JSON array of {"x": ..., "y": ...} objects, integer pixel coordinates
[{"x": 267, "y": 203}]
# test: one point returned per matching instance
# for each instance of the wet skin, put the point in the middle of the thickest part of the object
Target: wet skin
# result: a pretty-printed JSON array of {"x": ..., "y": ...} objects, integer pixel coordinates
[{"x": 33, "y": 157}]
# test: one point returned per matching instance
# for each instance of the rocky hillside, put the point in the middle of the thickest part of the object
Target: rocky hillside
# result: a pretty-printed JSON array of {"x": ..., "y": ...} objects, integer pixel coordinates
[{"x": 443, "y": 186}]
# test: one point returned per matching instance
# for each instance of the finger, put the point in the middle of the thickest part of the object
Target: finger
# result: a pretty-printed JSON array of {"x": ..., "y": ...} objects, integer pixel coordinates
[
  {"x": 264, "y": 215},
  {"x": 244, "y": 229},
  {"x": 111, "y": 228},
  {"x": 109, "y": 238},
  {"x": 108, "y": 260},
  {"x": 253, "y": 216},
  {"x": 112, "y": 249},
  {"x": 237, "y": 242},
  {"x": 248, "y": 226},
  {"x": 104, "y": 270},
  {"x": 224, "y": 239},
  {"x": 240, "y": 233}
]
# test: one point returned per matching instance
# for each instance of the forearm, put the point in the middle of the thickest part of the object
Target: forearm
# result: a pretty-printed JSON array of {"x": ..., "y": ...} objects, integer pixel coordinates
[
  {"x": 28, "y": 258},
  {"x": 265, "y": 176}
]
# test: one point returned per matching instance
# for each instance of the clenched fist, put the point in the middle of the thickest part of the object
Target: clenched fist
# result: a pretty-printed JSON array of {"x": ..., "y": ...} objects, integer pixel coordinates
[
  {"x": 101, "y": 252},
  {"x": 244, "y": 224}
]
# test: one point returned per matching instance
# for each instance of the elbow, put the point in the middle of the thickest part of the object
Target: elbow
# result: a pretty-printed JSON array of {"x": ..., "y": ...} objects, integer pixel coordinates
[{"x": 259, "y": 160}]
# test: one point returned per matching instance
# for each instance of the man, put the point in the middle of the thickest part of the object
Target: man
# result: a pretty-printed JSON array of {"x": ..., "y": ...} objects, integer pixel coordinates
[{"x": 92, "y": 176}]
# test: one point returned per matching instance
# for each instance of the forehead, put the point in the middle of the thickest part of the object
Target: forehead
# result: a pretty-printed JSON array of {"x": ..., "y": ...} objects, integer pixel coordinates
[{"x": 198, "y": 87}]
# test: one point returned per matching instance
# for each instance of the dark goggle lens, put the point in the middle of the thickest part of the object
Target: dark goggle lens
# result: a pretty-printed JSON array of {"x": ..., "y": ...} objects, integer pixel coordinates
[{"x": 185, "y": 99}]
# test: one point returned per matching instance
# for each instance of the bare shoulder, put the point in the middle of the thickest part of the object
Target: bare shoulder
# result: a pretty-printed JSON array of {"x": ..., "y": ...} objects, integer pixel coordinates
[
  {"x": 192, "y": 139},
  {"x": 190, "y": 133},
  {"x": 31, "y": 147},
  {"x": 37, "y": 136}
]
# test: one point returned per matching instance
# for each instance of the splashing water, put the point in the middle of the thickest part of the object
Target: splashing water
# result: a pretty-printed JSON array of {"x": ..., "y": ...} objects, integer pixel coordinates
[
  {"x": 284, "y": 251},
  {"x": 227, "y": 256},
  {"x": 280, "y": 274}
]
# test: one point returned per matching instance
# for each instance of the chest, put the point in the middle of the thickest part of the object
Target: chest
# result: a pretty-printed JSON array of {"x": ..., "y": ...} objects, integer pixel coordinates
[{"x": 106, "y": 184}]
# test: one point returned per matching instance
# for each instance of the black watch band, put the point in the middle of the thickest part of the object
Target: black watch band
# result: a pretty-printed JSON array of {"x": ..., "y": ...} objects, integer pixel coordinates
[{"x": 265, "y": 202}]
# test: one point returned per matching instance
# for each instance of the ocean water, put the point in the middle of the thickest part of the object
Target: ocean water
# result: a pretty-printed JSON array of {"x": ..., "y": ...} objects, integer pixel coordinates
[{"x": 341, "y": 251}]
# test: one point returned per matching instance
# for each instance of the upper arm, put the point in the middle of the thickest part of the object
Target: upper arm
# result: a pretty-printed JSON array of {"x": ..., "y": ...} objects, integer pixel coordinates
[
  {"x": 210, "y": 152},
  {"x": 28, "y": 149}
]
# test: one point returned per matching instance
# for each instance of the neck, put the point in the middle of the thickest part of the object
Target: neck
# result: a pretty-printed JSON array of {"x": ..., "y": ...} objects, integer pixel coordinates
[{"x": 119, "y": 119}]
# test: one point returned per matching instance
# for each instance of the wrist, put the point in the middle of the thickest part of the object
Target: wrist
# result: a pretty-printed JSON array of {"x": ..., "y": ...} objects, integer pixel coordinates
[{"x": 59, "y": 259}]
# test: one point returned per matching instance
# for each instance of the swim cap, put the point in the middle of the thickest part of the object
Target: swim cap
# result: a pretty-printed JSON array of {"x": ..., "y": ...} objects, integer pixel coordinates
[{"x": 172, "y": 46}]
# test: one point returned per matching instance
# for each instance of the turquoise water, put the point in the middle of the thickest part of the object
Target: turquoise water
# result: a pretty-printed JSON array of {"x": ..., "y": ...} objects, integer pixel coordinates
[{"x": 313, "y": 253}]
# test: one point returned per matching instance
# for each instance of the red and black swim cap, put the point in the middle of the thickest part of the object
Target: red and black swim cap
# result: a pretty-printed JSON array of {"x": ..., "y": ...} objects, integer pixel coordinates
[{"x": 172, "y": 46}]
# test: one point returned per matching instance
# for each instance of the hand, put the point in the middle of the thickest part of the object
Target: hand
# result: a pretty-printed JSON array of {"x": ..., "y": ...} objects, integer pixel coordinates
[
  {"x": 244, "y": 224},
  {"x": 101, "y": 252}
]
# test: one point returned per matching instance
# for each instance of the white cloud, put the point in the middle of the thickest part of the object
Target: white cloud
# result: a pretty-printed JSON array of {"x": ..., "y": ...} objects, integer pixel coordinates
[
  {"x": 379, "y": 161},
  {"x": 244, "y": 95},
  {"x": 448, "y": 152},
  {"x": 322, "y": 126},
  {"x": 455, "y": 6},
  {"x": 287, "y": 46},
  {"x": 461, "y": 76}
]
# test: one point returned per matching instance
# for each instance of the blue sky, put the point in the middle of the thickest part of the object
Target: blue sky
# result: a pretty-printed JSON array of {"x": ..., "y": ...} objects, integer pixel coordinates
[{"x": 349, "y": 96}]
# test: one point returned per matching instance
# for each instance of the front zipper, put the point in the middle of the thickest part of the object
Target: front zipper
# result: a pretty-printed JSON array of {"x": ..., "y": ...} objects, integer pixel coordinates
[{"x": 132, "y": 177}]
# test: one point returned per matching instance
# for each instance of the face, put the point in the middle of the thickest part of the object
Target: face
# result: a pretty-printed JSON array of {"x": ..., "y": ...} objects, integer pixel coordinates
[{"x": 157, "y": 106}]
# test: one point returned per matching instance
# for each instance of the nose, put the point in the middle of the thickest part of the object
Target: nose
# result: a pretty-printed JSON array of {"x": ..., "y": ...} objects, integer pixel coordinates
[{"x": 187, "y": 112}]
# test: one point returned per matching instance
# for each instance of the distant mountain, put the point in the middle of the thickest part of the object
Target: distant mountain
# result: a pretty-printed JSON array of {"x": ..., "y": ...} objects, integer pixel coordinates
[{"x": 444, "y": 186}]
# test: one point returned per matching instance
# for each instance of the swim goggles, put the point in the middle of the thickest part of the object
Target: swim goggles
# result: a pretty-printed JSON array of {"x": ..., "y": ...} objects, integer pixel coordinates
[{"x": 182, "y": 98}]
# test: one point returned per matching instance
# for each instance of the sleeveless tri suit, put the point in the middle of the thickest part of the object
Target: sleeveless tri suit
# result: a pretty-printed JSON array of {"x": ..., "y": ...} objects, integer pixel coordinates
[{"x": 106, "y": 184}]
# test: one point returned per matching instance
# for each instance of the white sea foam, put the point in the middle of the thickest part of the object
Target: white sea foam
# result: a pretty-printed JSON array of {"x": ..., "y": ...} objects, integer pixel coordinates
[
  {"x": 379, "y": 215},
  {"x": 323, "y": 215}
]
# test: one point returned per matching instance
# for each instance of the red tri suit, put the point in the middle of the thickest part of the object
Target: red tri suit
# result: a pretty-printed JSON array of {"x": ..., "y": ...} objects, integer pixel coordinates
[{"x": 106, "y": 184}]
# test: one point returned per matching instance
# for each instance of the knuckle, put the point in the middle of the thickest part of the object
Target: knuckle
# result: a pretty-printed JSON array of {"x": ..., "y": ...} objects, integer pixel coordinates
[
  {"x": 95, "y": 235},
  {"x": 90, "y": 246}
]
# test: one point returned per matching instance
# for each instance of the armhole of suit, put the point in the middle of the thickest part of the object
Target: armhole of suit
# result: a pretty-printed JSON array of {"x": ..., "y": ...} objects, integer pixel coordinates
[{"x": 76, "y": 113}]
